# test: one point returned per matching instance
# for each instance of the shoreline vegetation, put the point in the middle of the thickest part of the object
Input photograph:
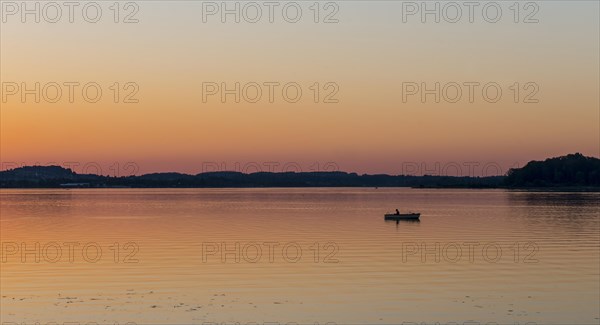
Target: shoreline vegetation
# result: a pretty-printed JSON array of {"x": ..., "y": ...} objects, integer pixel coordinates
[{"x": 573, "y": 172}]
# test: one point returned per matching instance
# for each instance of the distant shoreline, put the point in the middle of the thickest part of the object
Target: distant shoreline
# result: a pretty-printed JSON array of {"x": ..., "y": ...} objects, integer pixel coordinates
[
  {"x": 572, "y": 173},
  {"x": 58, "y": 177},
  {"x": 569, "y": 189}
]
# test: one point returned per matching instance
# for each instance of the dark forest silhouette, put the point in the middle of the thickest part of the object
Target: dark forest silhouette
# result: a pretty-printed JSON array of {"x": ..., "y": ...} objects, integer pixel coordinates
[
  {"x": 574, "y": 170},
  {"x": 570, "y": 170}
]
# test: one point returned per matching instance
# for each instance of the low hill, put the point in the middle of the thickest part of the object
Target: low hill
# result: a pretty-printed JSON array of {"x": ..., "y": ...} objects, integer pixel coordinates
[
  {"x": 56, "y": 176},
  {"x": 570, "y": 170},
  {"x": 43, "y": 177},
  {"x": 574, "y": 170},
  {"x": 39, "y": 172}
]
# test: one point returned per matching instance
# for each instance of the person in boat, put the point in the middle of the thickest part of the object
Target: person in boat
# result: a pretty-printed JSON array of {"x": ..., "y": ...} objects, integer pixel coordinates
[{"x": 397, "y": 212}]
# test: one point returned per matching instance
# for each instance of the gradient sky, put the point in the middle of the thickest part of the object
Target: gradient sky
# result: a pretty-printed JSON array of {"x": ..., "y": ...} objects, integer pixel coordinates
[{"x": 369, "y": 53}]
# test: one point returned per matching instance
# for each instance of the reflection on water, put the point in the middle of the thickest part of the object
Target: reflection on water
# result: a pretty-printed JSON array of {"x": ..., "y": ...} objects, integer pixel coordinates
[
  {"x": 398, "y": 222},
  {"x": 298, "y": 255}
]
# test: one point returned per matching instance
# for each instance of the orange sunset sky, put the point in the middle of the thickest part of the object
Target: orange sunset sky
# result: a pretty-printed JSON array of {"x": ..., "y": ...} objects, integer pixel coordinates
[{"x": 365, "y": 62}]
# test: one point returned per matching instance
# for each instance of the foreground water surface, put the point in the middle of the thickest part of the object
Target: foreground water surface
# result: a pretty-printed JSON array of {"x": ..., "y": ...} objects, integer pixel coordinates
[{"x": 307, "y": 255}]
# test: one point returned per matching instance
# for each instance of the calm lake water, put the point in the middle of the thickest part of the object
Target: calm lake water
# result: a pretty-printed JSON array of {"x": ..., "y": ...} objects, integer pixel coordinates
[{"x": 299, "y": 255}]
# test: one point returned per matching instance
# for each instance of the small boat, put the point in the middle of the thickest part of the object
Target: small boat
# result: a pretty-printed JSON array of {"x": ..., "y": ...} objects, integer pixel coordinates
[{"x": 402, "y": 216}]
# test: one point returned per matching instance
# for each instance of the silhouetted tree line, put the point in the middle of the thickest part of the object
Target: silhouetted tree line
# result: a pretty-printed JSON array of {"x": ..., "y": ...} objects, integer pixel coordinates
[
  {"x": 570, "y": 170},
  {"x": 55, "y": 177}
]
